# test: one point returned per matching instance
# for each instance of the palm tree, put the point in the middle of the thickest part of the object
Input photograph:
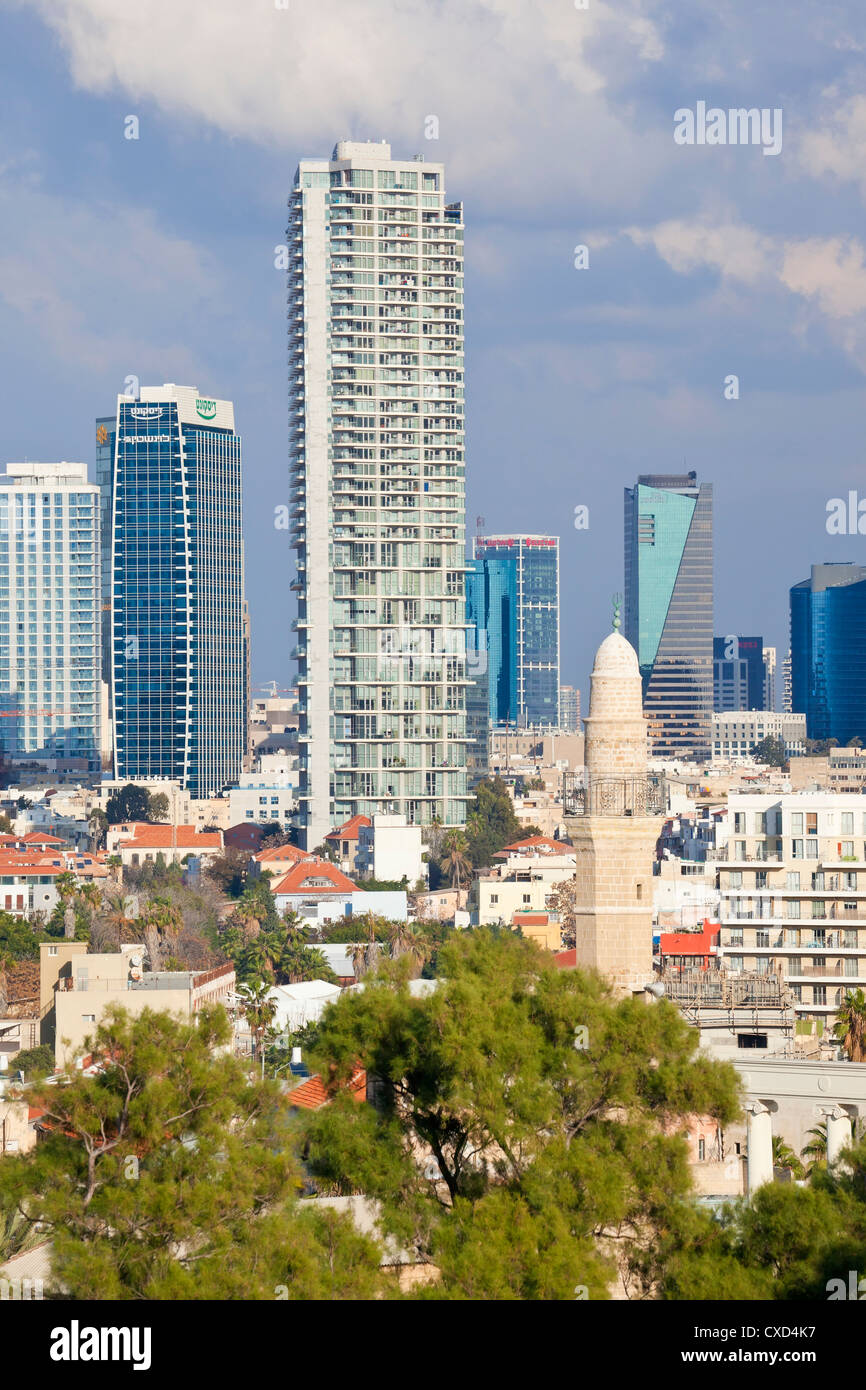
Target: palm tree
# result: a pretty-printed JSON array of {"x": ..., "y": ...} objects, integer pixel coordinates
[
  {"x": 258, "y": 1009},
  {"x": 120, "y": 918},
  {"x": 454, "y": 861},
  {"x": 849, "y": 1029},
  {"x": 816, "y": 1150},
  {"x": 784, "y": 1157},
  {"x": 408, "y": 940},
  {"x": 66, "y": 885}
]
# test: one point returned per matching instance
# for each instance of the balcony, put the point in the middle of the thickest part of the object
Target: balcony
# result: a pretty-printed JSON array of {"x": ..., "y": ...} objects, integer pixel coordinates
[{"x": 612, "y": 796}]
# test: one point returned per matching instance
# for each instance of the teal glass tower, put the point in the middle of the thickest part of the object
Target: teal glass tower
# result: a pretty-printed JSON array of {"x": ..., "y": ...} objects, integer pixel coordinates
[
  {"x": 669, "y": 608},
  {"x": 179, "y": 679}
]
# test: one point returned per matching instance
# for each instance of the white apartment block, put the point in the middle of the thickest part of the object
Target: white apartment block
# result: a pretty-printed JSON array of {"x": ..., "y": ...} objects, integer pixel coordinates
[
  {"x": 792, "y": 881},
  {"x": 263, "y": 797},
  {"x": 378, "y": 488},
  {"x": 50, "y": 614},
  {"x": 735, "y": 733},
  {"x": 391, "y": 848}
]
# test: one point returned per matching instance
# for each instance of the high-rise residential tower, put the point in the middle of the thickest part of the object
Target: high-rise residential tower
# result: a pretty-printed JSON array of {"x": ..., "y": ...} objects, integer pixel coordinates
[
  {"x": 769, "y": 678},
  {"x": 49, "y": 613},
  {"x": 513, "y": 596},
  {"x": 179, "y": 670},
  {"x": 569, "y": 709},
  {"x": 669, "y": 608},
  {"x": 378, "y": 487},
  {"x": 828, "y": 651}
]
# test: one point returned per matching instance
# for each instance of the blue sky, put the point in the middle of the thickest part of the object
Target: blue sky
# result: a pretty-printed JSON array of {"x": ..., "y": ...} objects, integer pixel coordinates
[{"x": 155, "y": 257}]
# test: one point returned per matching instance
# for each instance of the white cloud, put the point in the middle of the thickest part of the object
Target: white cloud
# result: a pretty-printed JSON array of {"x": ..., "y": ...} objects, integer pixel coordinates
[
  {"x": 838, "y": 147},
  {"x": 512, "y": 84}
]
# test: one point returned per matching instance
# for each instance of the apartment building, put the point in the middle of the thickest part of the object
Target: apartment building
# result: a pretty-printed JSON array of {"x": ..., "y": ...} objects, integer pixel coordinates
[
  {"x": 735, "y": 732},
  {"x": 792, "y": 881}
]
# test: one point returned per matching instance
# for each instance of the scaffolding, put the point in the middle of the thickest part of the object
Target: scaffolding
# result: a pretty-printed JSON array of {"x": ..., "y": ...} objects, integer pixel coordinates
[{"x": 745, "y": 1000}]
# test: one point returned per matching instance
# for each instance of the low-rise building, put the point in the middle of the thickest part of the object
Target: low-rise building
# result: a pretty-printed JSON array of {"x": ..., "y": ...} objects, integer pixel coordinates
[
  {"x": 320, "y": 892},
  {"x": 736, "y": 732},
  {"x": 532, "y": 869},
  {"x": 345, "y": 843},
  {"x": 390, "y": 849},
  {"x": 76, "y": 987},
  {"x": 140, "y": 842},
  {"x": 263, "y": 796}
]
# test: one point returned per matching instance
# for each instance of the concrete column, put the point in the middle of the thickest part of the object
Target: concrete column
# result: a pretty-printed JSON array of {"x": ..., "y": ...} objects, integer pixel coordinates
[
  {"x": 759, "y": 1134},
  {"x": 838, "y": 1131}
]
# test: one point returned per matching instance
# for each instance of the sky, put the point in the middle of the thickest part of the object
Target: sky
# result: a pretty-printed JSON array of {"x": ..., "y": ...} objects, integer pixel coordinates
[{"x": 154, "y": 257}]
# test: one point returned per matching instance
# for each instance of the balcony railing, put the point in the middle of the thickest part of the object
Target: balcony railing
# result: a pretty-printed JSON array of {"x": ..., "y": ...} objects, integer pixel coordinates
[{"x": 612, "y": 796}]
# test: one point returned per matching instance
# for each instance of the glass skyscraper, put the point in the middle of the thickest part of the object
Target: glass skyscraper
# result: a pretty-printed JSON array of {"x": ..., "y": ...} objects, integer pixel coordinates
[
  {"x": 512, "y": 593},
  {"x": 179, "y": 671},
  {"x": 378, "y": 488},
  {"x": 668, "y": 615},
  {"x": 739, "y": 674},
  {"x": 828, "y": 651},
  {"x": 49, "y": 614}
]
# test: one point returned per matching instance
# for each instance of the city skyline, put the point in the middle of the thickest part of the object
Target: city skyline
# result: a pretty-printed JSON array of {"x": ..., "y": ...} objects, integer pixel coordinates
[{"x": 576, "y": 379}]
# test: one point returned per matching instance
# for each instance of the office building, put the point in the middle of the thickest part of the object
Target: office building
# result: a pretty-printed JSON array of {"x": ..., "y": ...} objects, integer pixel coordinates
[
  {"x": 769, "y": 678},
  {"x": 669, "y": 608},
  {"x": 513, "y": 596},
  {"x": 828, "y": 651},
  {"x": 179, "y": 677},
  {"x": 50, "y": 692},
  {"x": 787, "y": 696},
  {"x": 739, "y": 674},
  {"x": 378, "y": 488},
  {"x": 569, "y": 709}
]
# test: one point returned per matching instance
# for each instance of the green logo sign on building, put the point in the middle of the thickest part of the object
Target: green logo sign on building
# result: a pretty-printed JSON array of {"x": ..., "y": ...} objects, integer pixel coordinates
[{"x": 206, "y": 409}]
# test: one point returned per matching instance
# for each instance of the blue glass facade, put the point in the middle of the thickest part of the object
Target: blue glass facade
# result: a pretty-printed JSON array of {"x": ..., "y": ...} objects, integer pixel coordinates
[
  {"x": 828, "y": 651},
  {"x": 669, "y": 607},
  {"x": 512, "y": 594},
  {"x": 177, "y": 603}
]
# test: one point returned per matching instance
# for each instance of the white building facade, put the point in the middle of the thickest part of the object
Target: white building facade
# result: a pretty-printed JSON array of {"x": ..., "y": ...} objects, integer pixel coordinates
[
  {"x": 50, "y": 622},
  {"x": 378, "y": 488},
  {"x": 735, "y": 733},
  {"x": 792, "y": 882}
]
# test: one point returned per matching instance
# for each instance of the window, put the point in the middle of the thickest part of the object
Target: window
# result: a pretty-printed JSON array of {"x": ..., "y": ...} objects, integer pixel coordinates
[
  {"x": 527, "y": 897},
  {"x": 735, "y": 963},
  {"x": 88, "y": 1018},
  {"x": 847, "y": 849},
  {"x": 794, "y": 910},
  {"x": 796, "y": 849},
  {"x": 494, "y": 897},
  {"x": 796, "y": 822},
  {"x": 819, "y": 994},
  {"x": 811, "y": 849},
  {"x": 735, "y": 878},
  {"x": 762, "y": 937},
  {"x": 811, "y": 822},
  {"x": 751, "y": 1040},
  {"x": 702, "y": 1150},
  {"x": 52, "y": 950},
  {"x": 847, "y": 822},
  {"x": 794, "y": 880}
]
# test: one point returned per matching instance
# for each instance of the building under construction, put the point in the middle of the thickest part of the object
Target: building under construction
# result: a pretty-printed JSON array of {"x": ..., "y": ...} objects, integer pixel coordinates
[{"x": 734, "y": 1012}]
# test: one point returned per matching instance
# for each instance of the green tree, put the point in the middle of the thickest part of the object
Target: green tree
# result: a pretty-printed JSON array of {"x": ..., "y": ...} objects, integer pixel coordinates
[
  {"x": 486, "y": 1103},
  {"x": 18, "y": 939},
  {"x": 491, "y": 823},
  {"x": 771, "y": 751},
  {"x": 130, "y": 803},
  {"x": 157, "y": 806},
  {"x": 169, "y": 1176},
  {"x": 35, "y": 1061}
]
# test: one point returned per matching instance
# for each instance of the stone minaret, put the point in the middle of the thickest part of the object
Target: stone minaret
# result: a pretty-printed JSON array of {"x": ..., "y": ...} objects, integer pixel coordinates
[{"x": 614, "y": 835}]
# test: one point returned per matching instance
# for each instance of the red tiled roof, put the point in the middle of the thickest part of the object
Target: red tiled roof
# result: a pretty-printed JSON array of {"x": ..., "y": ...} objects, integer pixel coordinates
[
  {"x": 297, "y": 879},
  {"x": 565, "y": 960},
  {"x": 542, "y": 843},
  {"x": 280, "y": 854},
  {"x": 531, "y": 919},
  {"x": 351, "y": 829},
  {"x": 313, "y": 1094},
  {"x": 145, "y": 836},
  {"x": 33, "y": 837}
]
